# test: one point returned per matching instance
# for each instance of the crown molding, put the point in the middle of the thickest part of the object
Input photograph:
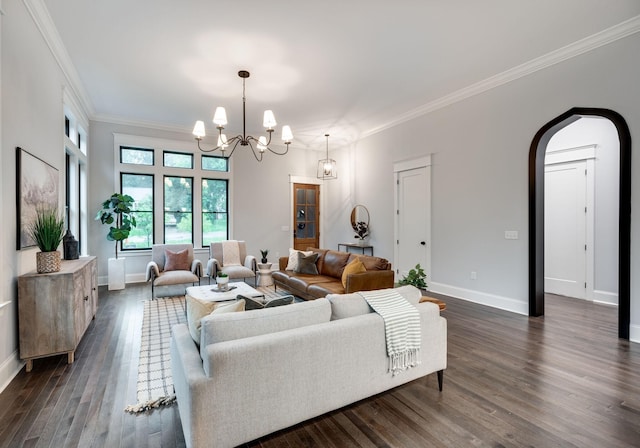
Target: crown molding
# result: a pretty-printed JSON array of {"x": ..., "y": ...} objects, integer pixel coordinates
[
  {"x": 44, "y": 23},
  {"x": 602, "y": 38}
]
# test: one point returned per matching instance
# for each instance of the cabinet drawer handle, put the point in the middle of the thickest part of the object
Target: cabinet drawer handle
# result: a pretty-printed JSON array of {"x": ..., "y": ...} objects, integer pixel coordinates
[{"x": 86, "y": 298}]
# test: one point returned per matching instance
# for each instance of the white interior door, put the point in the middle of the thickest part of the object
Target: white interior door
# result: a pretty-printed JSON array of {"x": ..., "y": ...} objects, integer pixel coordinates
[
  {"x": 565, "y": 239},
  {"x": 413, "y": 243}
]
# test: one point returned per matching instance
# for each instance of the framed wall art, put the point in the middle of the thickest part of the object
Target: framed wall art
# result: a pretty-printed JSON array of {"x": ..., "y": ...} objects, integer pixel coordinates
[{"x": 37, "y": 186}]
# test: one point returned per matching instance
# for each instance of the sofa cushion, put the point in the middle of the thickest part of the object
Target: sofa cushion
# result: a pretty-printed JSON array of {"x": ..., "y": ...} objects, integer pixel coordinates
[
  {"x": 307, "y": 264},
  {"x": 197, "y": 309},
  {"x": 350, "y": 305},
  {"x": 294, "y": 256},
  {"x": 355, "y": 266},
  {"x": 226, "y": 327},
  {"x": 334, "y": 263},
  {"x": 319, "y": 290},
  {"x": 177, "y": 261},
  {"x": 372, "y": 263}
]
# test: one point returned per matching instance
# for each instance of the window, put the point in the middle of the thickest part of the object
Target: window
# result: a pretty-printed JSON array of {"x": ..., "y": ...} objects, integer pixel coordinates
[
  {"x": 178, "y": 159},
  {"x": 140, "y": 188},
  {"x": 74, "y": 127},
  {"x": 136, "y": 156},
  {"x": 213, "y": 163},
  {"x": 215, "y": 219},
  {"x": 178, "y": 210},
  {"x": 179, "y": 197}
]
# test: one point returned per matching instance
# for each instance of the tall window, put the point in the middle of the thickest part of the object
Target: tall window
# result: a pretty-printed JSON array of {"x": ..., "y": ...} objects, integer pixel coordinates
[
  {"x": 178, "y": 197},
  {"x": 178, "y": 210},
  {"x": 75, "y": 149},
  {"x": 140, "y": 188},
  {"x": 215, "y": 217}
]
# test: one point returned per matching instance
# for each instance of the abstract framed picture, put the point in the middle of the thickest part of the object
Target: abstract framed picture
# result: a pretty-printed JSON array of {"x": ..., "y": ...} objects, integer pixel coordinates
[{"x": 37, "y": 186}]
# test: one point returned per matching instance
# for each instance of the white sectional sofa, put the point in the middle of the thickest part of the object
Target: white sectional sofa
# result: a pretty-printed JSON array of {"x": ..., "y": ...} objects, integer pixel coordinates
[{"x": 257, "y": 372}]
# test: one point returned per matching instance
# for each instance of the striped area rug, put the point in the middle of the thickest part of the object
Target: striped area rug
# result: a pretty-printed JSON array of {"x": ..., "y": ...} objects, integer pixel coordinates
[{"x": 155, "y": 384}]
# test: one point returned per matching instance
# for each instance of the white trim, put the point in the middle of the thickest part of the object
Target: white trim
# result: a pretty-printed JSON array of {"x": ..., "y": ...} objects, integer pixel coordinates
[
  {"x": 41, "y": 17},
  {"x": 504, "y": 303},
  {"x": 607, "y": 36},
  {"x": 570, "y": 154},
  {"x": 3, "y": 304},
  {"x": 605, "y": 297},
  {"x": 634, "y": 333},
  {"x": 9, "y": 369}
]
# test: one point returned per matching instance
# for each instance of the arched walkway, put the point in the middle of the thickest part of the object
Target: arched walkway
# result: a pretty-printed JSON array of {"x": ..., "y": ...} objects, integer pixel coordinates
[{"x": 536, "y": 211}]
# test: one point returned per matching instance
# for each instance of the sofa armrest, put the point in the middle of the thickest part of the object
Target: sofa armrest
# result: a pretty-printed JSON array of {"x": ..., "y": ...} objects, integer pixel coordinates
[
  {"x": 368, "y": 281},
  {"x": 152, "y": 271},
  {"x": 196, "y": 267},
  {"x": 283, "y": 262},
  {"x": 250, "y": 262},
  {"x": 212, "y": 268}
]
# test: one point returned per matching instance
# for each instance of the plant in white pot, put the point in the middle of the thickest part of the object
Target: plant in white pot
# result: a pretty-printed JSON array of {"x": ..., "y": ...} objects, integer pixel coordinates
[
  {"x": 47, "y": 230},
  {"x": 117, "y": 213},
  {"x": 222, "y": 280}
]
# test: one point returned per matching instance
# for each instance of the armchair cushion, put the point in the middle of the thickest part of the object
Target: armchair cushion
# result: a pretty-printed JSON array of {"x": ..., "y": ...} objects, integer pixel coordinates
[{"x": 177, "y": 261}]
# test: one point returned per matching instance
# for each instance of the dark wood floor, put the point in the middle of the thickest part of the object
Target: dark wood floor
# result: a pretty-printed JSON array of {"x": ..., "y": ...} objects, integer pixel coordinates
[{"x": 563, "y": 380}]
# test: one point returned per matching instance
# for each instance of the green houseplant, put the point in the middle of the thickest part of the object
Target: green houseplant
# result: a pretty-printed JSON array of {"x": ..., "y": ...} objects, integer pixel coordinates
[
  {"x": 116, "y": 212},
  {"x": 47, "y": 230},
  {"x": 415, "y": 277}
]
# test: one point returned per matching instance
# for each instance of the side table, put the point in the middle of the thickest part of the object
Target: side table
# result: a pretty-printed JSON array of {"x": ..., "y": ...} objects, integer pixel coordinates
[{"x": 264, "y": 274}]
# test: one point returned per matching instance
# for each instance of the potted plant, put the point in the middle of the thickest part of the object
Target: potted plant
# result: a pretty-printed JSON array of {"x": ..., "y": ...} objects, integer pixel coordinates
[
  {"x": 362, "y": 230},
  {"x": 117, "y": 213},
  {"x": 47, "y": 230},
  {"x": 415, "y": 277},
  {"x": 222, "y": 280},
  {"x": 264, "y": 253}
]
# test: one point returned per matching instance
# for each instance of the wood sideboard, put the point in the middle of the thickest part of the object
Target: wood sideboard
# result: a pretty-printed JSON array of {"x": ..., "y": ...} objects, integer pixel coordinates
[{"x": 55, "y": 309}]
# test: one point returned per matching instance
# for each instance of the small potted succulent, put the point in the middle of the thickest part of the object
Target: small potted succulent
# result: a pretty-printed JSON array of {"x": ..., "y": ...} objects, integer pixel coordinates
[
  {"x": 47, "y": 230},
  {"x": 222, "y": 280},
  {"x": 264, "y": 253}
]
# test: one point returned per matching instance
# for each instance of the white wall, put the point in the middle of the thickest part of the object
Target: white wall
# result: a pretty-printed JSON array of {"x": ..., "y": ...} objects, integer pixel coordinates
[
  {"x": 32, "y": 118},
  {"x": 480, "y": 150},
  {"x": 260, "y": 192},
  {"x": 589, "y": 131}
]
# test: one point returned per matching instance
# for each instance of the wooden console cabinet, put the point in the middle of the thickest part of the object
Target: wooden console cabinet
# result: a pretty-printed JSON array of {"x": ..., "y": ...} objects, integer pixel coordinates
[{"x": 56, "y": 309}]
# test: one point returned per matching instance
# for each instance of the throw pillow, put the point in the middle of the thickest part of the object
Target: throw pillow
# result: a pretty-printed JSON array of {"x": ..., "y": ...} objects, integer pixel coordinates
[
  {"x": 177, "y": 261},
  {"x": 197, "y": 309},
  {"x": 355, "y": 267},
  {"x": 307, "y": 264},
  {"x": 292, "y": 263}
]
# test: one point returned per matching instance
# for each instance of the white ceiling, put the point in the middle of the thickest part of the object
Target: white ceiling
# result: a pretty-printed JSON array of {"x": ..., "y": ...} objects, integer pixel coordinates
[{"x": 347, "y": 67}]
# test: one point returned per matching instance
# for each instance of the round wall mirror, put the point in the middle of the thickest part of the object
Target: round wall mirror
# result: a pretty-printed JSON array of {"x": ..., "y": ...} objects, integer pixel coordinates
[{"x": 360, "y": 220}]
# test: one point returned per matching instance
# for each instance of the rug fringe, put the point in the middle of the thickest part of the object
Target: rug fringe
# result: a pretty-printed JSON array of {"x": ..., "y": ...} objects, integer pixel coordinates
[{"x": 150, "y": 405}]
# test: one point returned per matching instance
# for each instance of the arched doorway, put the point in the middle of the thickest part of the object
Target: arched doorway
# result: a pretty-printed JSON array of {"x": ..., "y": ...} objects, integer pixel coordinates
[{"x": 536, "y": 211}]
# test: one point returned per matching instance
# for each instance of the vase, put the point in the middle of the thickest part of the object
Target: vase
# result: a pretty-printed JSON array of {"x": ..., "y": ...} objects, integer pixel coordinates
[
  {"x": 223, "y": 283},
  {"x": 47, "y": 262}
]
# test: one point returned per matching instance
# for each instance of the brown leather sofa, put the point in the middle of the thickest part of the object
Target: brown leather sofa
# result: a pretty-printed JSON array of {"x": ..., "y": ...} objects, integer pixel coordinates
[{"x": 330, "y": 265}]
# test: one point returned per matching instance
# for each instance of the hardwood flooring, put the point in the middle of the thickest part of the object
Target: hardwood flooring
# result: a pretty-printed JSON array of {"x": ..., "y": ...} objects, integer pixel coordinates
[{"x": 563, "y": 380}]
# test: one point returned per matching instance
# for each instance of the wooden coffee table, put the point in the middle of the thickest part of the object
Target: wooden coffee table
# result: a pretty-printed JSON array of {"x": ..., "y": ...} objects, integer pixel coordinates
[{"x": 213, "y": 294}]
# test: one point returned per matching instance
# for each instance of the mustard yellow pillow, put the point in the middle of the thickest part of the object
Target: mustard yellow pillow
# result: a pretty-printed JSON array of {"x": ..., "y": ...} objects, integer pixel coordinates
[
  {"x": 355, "y": 267},
  {"x": 197, "y": 309}
]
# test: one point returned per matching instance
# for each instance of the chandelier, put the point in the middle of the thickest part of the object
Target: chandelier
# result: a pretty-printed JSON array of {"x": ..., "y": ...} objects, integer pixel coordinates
[
  {"x": 260, "y": 144},
  {"x": 327, "y": 167}
]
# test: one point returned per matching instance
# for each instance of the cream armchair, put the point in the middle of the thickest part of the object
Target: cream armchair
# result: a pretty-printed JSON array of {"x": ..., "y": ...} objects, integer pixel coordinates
[
  {"x": 172, "y": 264},
  {"x": 231, "y": 258}
]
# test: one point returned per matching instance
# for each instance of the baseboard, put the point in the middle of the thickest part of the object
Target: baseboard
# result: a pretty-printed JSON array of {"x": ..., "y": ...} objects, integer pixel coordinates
[
  {"x": 605, "y": 297},
  {"x": 634, "y": 333},
  {"x": 483, "y": 298},
  {"x": 103, "y": 280},
  {"x": 9, "y": 369}
]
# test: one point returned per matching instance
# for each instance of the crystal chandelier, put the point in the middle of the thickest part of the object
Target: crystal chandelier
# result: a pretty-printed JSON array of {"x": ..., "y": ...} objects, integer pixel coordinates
[
  {"x": 260, "y": 144},
  {"x": 327, "y": 167}
]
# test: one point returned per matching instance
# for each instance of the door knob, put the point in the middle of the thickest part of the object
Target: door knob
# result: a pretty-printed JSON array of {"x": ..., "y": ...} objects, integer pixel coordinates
[{"x": 423, "y": 243}]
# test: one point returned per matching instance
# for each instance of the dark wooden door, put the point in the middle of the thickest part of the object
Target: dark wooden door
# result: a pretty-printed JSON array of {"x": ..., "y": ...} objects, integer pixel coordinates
[{"x": 306, "y": 216}]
